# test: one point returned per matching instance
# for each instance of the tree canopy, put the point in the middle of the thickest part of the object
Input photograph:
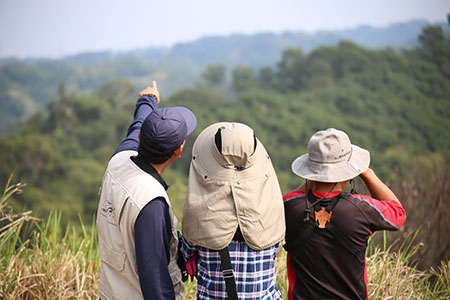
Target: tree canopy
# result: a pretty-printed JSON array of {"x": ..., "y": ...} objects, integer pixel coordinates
[{"x": 395, "y": 104}]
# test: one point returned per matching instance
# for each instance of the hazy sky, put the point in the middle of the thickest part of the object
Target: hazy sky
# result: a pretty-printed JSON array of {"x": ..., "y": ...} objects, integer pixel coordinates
[{"x": 61, "y": 27}]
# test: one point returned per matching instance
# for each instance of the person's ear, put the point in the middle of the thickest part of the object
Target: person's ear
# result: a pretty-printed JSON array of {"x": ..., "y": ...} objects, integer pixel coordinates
[
  {"x": 179, "y": 151},
  {"x": 343, "y": 184}
]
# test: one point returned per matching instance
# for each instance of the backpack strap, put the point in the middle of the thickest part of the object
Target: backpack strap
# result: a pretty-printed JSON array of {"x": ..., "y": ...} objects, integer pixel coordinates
[
  {"x": 343, "y": 240},
  {"x": 337, "y": 234},
  {"x": 306, "y": 234},
  {"x": 228, "y": 274},
  {"x": 333, "y": 202}
]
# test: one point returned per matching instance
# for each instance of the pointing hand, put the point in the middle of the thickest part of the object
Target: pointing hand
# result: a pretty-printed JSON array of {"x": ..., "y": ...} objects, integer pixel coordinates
[{"x": 152, "y": 91}]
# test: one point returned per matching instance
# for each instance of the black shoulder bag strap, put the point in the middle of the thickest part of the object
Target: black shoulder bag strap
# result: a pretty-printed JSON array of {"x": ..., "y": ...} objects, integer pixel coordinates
[
  {"x": 181, "y": 262},
  {"x": 228, "y": 274},
  {"x": 341, "y": 238},
  {"x": 305, "y": 234}
]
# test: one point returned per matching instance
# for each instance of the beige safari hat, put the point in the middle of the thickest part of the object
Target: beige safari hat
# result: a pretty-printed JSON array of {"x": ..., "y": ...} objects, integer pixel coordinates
[
  {"x": 331, "y": 158},
  {"x": 232, "y": 183}
]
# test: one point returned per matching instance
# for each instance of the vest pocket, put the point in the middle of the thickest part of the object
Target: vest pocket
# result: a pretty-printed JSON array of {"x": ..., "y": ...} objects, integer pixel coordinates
[{"x": 112, "y": 257}]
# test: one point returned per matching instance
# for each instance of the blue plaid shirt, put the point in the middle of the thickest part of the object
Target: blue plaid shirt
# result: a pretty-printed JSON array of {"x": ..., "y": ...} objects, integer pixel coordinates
[{"x": 254, "y": 271}]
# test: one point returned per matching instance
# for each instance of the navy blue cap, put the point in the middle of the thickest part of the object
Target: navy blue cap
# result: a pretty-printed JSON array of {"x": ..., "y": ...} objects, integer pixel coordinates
[{"x": 168, "y": 127}]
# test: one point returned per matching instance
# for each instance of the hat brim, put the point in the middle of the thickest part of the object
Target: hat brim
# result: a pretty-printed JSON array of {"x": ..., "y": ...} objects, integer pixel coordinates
[
  {"x": 189, "y": 118},
  {"x": 332, "y": 172}
]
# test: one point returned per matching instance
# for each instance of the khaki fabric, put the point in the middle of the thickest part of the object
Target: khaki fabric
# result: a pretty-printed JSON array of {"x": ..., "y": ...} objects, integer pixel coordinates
[
  {"x": 126, "y": 189},
  {"x": 237, "y": 187}
]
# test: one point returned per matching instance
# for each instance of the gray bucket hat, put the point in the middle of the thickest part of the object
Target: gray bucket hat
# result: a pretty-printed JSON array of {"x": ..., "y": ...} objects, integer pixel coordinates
[{"x": 331, "y": 158}]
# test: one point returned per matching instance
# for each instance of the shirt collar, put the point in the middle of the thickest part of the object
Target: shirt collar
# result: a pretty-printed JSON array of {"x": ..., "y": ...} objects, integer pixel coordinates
[
  {"x": 327, "y": 194},
  {"x": 148, "y": 168}
]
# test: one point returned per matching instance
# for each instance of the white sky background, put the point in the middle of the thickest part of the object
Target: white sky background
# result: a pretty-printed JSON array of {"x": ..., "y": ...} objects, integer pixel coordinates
[{"x": 54, "y": 28}]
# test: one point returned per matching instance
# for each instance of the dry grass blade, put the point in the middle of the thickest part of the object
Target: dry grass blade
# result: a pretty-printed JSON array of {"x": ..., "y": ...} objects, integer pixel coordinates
[
  {"x": 390, "y": 277},
  {"x": 42, "y": 274},
  {"x": 441, "y": 277},
  {"x": 37, "y": 269},
  {"x": 53, "y": 265}
]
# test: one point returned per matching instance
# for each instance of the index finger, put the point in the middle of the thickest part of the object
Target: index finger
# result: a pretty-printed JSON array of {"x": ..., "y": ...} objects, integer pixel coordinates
[{"x": 154, "y": 84}]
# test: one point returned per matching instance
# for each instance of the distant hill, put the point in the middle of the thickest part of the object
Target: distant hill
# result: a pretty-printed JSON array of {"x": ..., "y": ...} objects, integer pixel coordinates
[
  {"x": 264, "y": 49},
  {"x": 29, "y": 85}
]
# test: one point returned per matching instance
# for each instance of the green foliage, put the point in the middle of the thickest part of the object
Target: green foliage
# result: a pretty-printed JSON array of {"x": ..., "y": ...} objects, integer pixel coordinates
[
  {"x": 243, "y": 78},
  {"x": 62, "y": 156},
  {"x": 214, "y": 75},
  {"x": 395, "y": 104},
  {"x": 28, "y": 86}
]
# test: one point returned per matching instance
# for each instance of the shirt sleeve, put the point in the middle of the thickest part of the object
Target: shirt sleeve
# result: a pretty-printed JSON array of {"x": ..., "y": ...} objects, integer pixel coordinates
[
  {"x": 187, "y": 248},
  {"x": 152, "y": 233},
  {"x": 144, "y": 106},
  {"x": 382, "y": 215}
]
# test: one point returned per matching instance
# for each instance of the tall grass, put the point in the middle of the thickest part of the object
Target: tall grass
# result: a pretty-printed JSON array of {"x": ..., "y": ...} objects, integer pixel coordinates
[
  {"x": 49, "y": 263},
  {"x": 391, "y": 275},
  {"x": 424, "y": 193}
]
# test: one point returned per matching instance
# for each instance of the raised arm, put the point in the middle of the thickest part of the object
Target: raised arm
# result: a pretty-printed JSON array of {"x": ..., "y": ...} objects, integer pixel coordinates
[
  {"x": 147, "y": 102},
  {"x": 377, "y": 188}
]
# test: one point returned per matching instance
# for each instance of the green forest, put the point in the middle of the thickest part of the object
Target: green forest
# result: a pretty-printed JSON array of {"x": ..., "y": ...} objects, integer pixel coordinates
[
  {"x": 394, "y": 103},
  {"x": 29, "y": 85}
]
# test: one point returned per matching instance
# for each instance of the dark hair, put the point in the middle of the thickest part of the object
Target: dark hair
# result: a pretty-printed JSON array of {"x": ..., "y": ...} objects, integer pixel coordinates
[{"x": 154, "y": 153}]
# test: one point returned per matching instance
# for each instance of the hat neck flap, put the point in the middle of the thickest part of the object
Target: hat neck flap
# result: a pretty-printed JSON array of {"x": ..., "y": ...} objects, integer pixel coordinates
[{"x": 222, "y": 197}]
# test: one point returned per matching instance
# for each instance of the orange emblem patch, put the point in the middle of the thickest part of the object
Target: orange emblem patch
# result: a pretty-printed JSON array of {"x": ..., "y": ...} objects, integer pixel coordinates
[{"x": 322, "y": 217}]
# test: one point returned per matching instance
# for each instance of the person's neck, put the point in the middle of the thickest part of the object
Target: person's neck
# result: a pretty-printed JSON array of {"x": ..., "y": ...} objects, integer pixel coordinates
[
  {"x": 325, "y": 187},
  {"x": 160, "y": 168}
]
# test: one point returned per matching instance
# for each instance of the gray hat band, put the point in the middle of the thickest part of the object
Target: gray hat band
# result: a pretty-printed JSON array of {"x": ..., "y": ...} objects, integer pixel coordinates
[{"x": 340, "y": 158}]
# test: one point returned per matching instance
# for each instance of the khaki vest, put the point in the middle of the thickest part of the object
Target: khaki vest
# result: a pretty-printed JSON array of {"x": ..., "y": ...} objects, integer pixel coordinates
[{"x": 125, "y": 190}]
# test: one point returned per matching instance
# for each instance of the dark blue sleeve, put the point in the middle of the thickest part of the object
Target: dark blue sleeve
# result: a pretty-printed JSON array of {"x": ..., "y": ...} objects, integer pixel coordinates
[
  {"x": 152, "y": 234},
  {"x": 187, "y": 248},
  {"x": 144, "y": 106}
]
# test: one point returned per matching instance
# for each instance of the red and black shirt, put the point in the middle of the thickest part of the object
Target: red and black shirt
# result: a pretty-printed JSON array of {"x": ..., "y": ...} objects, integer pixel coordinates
[{"x": 321, "y": 267}]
